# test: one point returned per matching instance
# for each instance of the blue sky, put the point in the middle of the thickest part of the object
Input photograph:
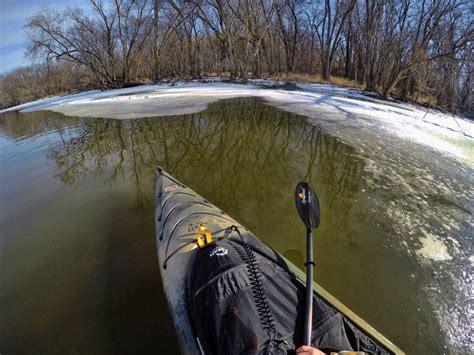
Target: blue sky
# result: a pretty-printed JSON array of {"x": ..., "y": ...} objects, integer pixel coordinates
[{"x": 13, "y": 16}]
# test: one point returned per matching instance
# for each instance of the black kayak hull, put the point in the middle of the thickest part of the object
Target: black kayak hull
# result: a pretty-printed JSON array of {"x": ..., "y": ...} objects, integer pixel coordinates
[{"x": 178, "y": 215}]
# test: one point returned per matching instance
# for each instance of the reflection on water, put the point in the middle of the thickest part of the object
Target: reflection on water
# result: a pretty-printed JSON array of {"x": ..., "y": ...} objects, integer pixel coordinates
[{"x": 78, "y": 267}]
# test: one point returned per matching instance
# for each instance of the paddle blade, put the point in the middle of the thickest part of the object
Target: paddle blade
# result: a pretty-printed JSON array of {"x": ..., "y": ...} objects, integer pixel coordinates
[{"x": 307, "y": 204}]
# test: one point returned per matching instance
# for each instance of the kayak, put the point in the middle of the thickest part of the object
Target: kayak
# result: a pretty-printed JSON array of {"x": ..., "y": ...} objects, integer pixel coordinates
[{"x": 230, "y": 293}]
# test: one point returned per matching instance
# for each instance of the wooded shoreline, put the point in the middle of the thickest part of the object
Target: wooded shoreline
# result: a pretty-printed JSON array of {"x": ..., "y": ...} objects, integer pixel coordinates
[{"x": 415, "y": 50}]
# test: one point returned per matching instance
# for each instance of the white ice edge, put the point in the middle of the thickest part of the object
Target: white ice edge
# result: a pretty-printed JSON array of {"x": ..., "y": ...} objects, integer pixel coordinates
[{"x": 434, "y": 129}]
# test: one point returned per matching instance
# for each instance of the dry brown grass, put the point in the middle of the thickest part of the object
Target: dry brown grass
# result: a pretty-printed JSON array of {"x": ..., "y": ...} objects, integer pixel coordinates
[
  {"x": 425, "y": 99},
  {"x": 317, "y": 78},
  {"x": 302, "y": 78},
  {"x": 341, "y": 81},
  {"x": 417, "y": 98}
]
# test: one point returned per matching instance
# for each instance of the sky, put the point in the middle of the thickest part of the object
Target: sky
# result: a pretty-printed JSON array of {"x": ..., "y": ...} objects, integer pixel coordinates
[{"x": 13, "y": 16}]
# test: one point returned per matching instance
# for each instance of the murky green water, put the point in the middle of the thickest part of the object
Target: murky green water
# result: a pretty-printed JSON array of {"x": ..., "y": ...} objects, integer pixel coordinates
[{"x": 78, "y": 266}]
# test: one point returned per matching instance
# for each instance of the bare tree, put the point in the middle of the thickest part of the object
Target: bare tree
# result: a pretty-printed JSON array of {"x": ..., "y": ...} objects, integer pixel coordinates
[{"x": 330, "y": 31}]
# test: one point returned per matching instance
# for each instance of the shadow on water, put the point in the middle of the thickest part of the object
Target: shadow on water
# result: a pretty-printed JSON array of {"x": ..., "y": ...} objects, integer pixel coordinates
[{"x": 94, "y": 270}]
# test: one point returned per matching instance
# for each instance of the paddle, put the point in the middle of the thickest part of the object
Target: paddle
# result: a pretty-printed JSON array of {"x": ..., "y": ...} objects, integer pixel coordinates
[{"x": 307, "y": 204}]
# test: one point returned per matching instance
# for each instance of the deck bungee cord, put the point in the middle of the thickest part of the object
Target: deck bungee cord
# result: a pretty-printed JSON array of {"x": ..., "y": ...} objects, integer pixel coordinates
[{"x": 258, "y": 291}]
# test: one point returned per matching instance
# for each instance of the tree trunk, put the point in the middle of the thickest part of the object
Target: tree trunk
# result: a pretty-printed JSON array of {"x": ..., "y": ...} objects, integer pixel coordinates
[{"x": 326, "y": 69}]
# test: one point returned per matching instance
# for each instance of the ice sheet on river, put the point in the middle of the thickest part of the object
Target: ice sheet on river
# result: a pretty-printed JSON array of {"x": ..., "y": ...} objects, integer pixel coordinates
[{"x": 446, "y": 133}]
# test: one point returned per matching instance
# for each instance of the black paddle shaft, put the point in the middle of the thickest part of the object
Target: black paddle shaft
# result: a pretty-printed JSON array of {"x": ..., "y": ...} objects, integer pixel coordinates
[
  {"x": 307, "y": 205},
  {"x": 309, "y": 288}
]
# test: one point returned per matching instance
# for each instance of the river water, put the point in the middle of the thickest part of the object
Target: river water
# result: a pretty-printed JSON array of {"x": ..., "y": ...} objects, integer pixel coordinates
[{"x": 78, "y": 265}]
